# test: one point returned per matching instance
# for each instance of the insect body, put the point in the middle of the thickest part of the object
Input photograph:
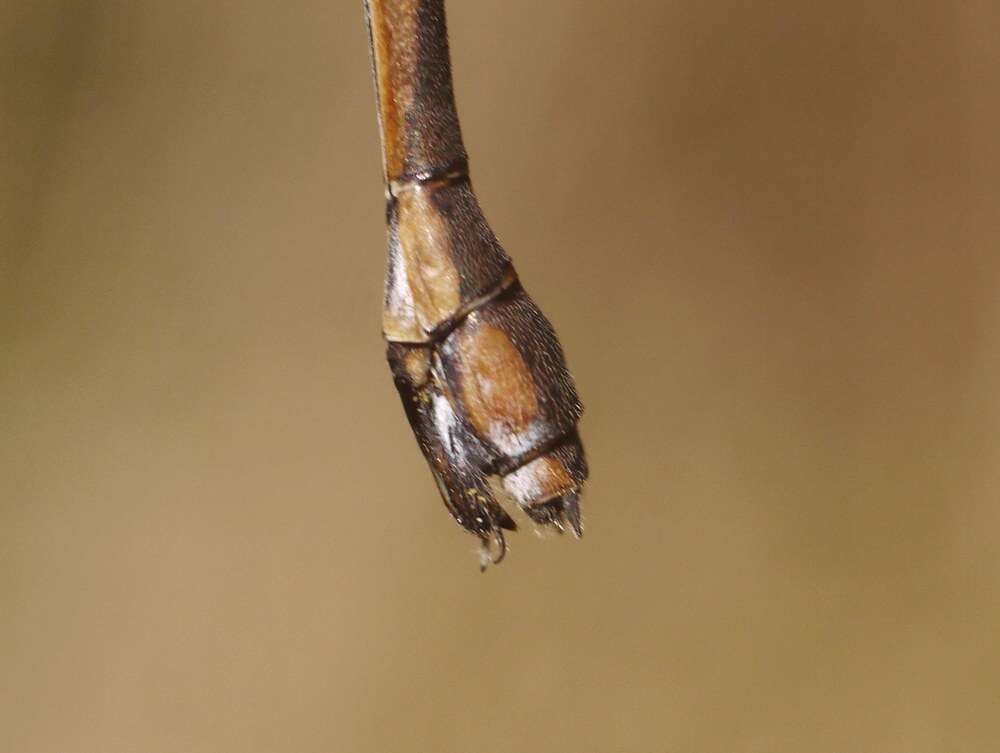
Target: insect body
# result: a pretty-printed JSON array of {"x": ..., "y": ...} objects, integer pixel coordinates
[{"x": 478, "y": 367}]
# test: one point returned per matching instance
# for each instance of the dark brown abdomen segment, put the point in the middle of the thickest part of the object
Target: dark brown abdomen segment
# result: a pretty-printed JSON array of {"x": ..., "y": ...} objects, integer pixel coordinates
[{"x": 416, "y": 103}]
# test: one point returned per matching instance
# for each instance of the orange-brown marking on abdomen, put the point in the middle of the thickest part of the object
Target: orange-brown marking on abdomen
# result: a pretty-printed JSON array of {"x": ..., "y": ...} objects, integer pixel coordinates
[
  {"x": 394, "y": 32},
  {"x": 431, "y": 274},
  {"x": 497, "y": 389},
  {"x": 539, "y": 481}
]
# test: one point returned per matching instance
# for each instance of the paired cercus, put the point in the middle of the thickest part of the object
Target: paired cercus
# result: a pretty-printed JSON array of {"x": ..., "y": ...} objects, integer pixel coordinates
[{"x": 478, "y": 367}]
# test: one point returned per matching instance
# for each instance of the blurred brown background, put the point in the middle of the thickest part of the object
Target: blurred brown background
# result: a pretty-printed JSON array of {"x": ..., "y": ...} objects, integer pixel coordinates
[{"x": 768, "y": 235}]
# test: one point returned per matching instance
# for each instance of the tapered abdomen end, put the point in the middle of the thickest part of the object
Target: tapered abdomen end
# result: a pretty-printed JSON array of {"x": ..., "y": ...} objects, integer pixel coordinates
[
  {"x": 478, "y": 367},
  {"x": 495, "y": 413}
]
